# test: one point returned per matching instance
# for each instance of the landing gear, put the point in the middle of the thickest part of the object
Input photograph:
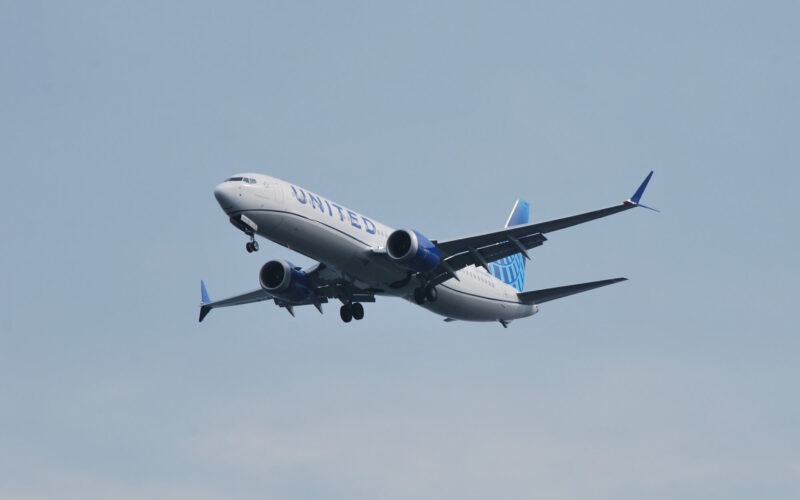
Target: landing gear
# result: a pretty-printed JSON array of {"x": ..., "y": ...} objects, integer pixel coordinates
[
  {"x": 428, "y": 293},
  {"x": 252, "y": 245},
  {"x": 351, "y": 311},
  {"x": 244, "y": 224},
  {"x": 346, "y": 313},
  {"x": 358, "y": 311}
]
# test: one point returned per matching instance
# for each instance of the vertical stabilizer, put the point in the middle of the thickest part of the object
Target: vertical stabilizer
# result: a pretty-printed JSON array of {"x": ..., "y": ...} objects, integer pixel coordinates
[{"x": 511, "y": 269}]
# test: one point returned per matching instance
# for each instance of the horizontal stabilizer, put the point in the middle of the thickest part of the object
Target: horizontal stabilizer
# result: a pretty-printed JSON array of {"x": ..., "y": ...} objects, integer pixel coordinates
[{"x": 540, "y": 296}]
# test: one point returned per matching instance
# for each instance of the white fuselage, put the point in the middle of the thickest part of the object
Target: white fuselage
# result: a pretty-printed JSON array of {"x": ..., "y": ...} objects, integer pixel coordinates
[{"x": 347, "y": 241}]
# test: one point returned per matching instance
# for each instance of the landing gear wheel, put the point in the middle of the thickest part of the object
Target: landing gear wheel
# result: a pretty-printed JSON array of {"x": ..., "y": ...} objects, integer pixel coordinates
[
  {"x": 419, "y": 296},
  {"x": 431, "y": 294},
  {"x": 252, "y": 245},
  {"x": 346, "y": 313},
  {"x": 358, "y": 311}
]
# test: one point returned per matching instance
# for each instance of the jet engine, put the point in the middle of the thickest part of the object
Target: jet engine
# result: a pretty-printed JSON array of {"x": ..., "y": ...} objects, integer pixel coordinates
[
  {"x": 281, "y": 279},
  {"x": 412, "y": 250}
]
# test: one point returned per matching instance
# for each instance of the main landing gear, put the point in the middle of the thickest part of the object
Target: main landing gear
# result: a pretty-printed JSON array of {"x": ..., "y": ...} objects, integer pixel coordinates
[
  {"x": 351, "y": 311},
  {"x": 427, "y": 293}
]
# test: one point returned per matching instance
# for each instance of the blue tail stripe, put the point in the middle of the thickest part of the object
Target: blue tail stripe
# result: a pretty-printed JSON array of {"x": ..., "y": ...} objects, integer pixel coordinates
[{"x": 511, "y": 269}]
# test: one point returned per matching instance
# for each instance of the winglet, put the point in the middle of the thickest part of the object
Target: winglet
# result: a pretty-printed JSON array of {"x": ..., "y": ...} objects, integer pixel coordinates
[
  {"x": 204, "y": 309},
  {"x": 634, "y": 200}
]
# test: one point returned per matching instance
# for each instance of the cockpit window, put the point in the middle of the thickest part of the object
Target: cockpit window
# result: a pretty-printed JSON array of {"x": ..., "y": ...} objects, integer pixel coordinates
[{"x": 246, "y": 180}]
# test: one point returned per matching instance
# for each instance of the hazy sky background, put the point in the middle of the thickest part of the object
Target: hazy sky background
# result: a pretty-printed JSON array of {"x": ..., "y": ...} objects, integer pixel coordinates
[{"x": 118, "y": 118}]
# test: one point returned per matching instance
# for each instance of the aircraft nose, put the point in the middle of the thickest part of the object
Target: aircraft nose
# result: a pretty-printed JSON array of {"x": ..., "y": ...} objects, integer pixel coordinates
[{"x": 224, "y": 195}]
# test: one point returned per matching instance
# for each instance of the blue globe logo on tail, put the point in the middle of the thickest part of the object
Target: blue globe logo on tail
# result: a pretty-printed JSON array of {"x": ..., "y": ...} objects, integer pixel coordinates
[{"x": 511, "y": 269}]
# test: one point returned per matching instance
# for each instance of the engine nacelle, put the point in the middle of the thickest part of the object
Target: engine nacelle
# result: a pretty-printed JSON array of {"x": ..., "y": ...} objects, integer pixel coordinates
[
  {"x": 281, "y": 279},
  {"x": 412, "y": 250}
]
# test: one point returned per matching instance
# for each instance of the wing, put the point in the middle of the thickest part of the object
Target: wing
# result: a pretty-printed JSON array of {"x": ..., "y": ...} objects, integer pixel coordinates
[
  {"x": 327, "y": 282},
  {"x": 480, "y": 249},
  {"x": 540, "y": 296},
  {"x": 246, "y": 298}
]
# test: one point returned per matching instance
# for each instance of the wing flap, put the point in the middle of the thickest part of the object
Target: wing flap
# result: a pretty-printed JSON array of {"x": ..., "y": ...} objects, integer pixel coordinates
[
  {"x": 489, "y": 253},
  {"x": 540, "y": 296}
]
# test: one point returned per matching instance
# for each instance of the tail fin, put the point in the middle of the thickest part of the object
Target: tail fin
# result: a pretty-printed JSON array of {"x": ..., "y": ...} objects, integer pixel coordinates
[{"x": 511, "y": 269}]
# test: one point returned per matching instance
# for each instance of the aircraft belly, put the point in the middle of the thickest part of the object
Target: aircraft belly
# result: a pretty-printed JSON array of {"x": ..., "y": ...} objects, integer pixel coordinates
[
  {"x": 327, "y": 245},
  {"x": 269, "y": 223},
  {"x": 377, "y": 269},
  {"x": 314, "y": 240},
  {"x": 468, "y": 306}
]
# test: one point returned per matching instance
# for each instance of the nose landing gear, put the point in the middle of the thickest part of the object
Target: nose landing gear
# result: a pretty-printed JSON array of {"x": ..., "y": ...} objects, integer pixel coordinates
[
  {"x": 244, "y": 224},
  {"x": 252, "y": 245}
]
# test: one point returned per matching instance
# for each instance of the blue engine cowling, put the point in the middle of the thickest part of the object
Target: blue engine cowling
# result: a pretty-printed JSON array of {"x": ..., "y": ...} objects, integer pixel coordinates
[
  {"x": 281, "y": 279},
  {"x": 412, "y": 250}
]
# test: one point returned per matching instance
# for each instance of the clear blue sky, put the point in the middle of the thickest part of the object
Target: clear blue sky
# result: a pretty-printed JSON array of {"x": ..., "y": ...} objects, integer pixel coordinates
[{"x": 118, "y": 118}]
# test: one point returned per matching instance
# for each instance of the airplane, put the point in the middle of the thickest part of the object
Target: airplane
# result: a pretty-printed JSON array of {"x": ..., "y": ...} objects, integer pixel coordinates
[{"x": 474, "y": 278}]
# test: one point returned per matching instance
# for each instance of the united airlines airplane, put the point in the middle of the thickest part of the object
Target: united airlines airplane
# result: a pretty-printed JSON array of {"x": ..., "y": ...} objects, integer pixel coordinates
[{"x": 476, "y": 278}]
